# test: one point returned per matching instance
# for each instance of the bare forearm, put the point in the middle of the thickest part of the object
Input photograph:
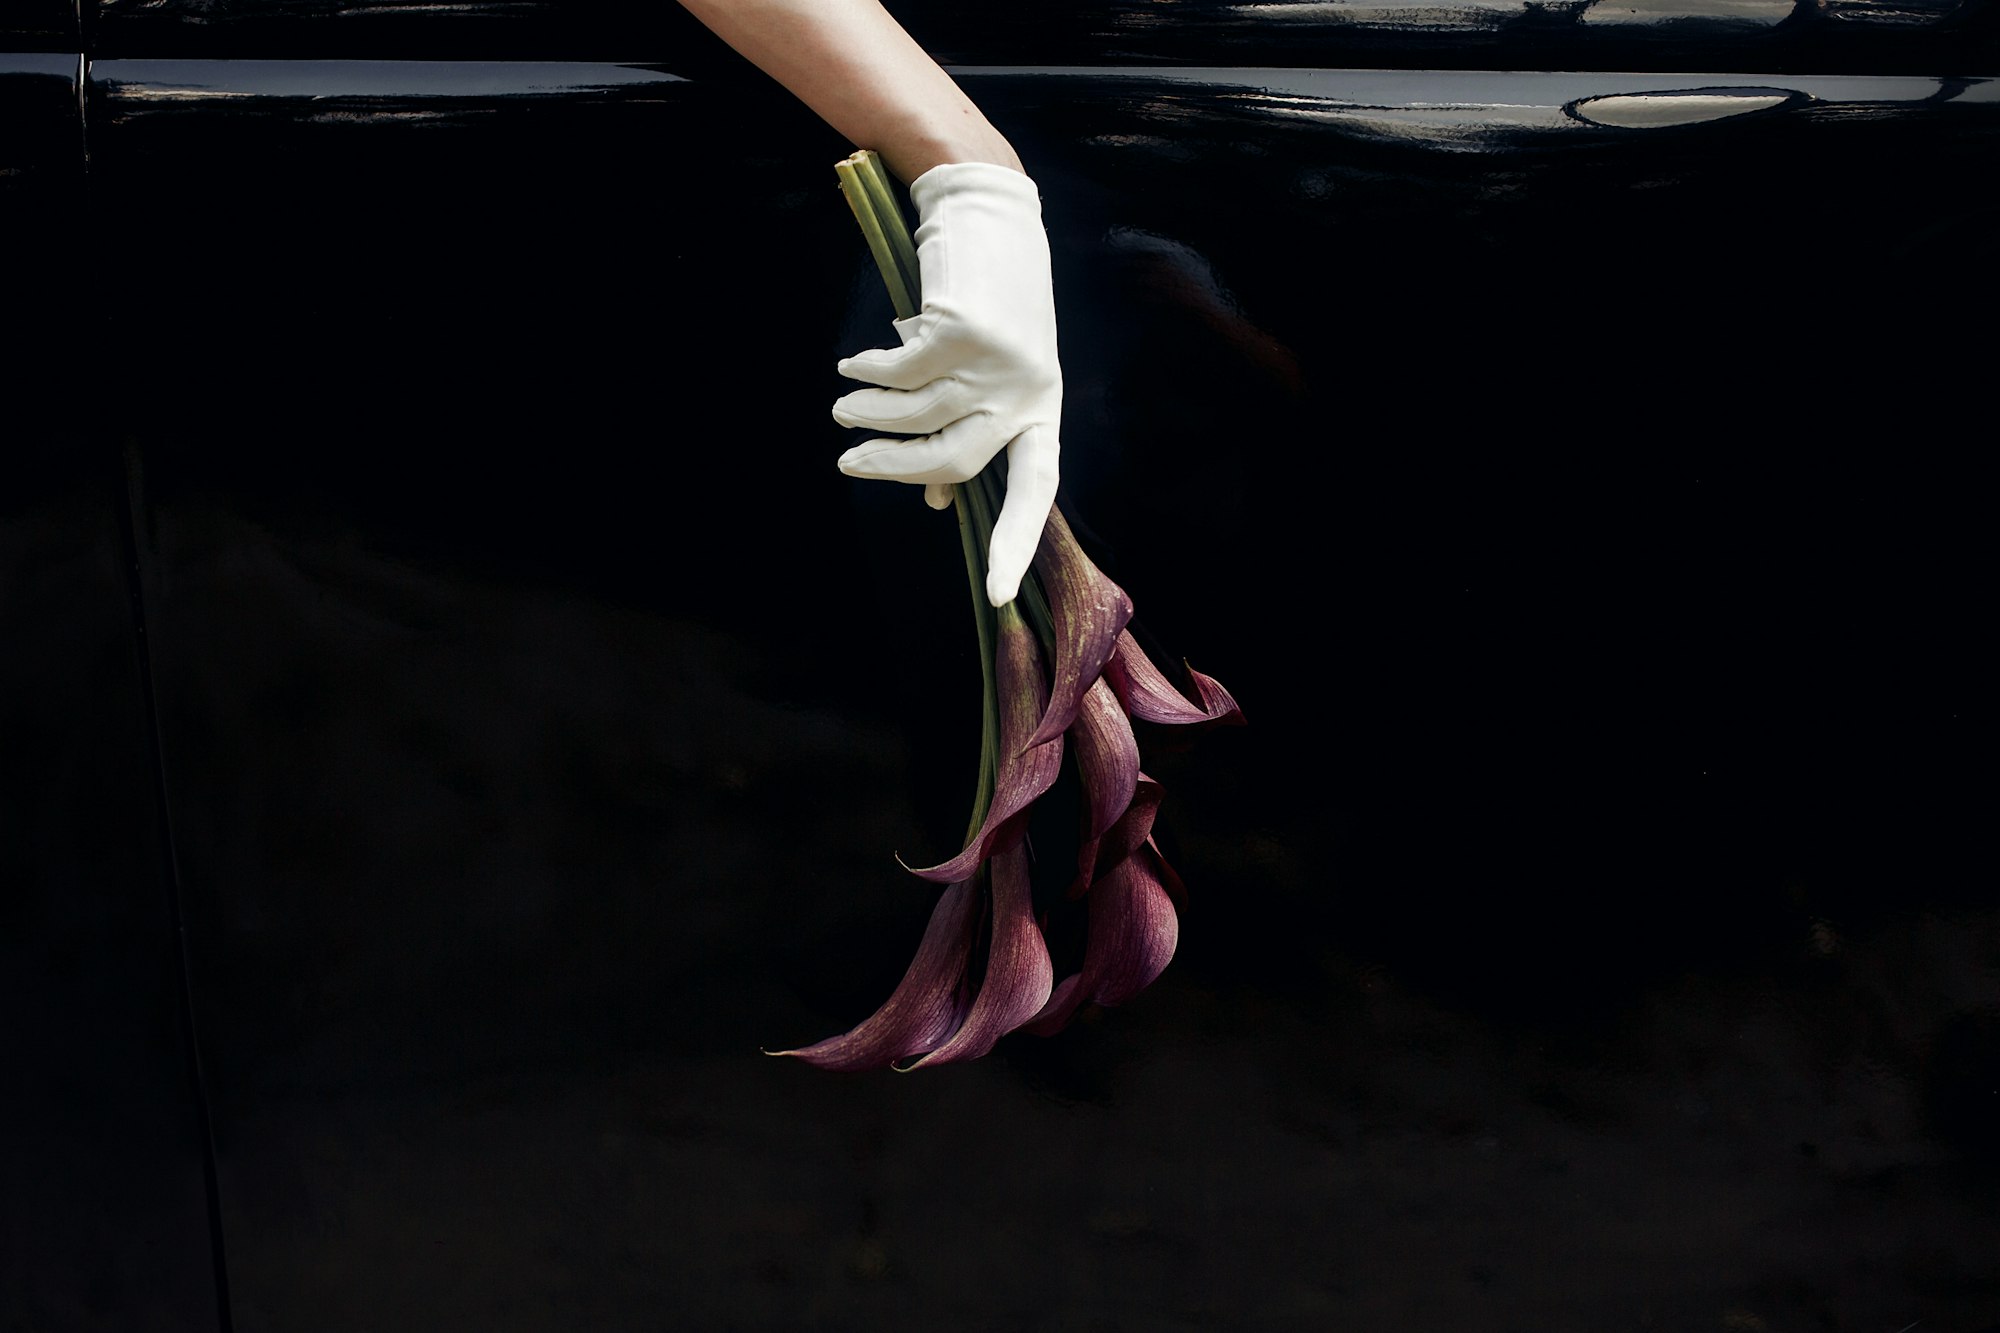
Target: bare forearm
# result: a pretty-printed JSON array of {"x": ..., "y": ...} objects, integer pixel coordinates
[{"x": 853, "y": 64}]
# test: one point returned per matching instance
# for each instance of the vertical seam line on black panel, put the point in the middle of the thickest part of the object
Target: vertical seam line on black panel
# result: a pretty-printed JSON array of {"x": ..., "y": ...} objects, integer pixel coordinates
[{"x": 132, "y": 495}]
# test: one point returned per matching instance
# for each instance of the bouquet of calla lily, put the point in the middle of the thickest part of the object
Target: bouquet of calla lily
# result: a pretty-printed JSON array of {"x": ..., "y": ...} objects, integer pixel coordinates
[{"x": 1063, "y": 680}]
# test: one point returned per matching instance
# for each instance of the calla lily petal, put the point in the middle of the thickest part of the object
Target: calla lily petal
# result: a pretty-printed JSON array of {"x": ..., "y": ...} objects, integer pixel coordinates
[
  {"x": 1133, "y": 830},
  {"x": 1169, "y": 878},
  {"x": 1148, "y": 694},
  {"x": 1026, "y": 771},
  {"x": 1018, "y": 971},
  {"x": 1089, "y": 612},
  {"x": 925, "y": 1007},
  {"x": 1143, "y": 925},
  {"x": 1107, "y": 758},
  {"x": 1132, "y": 933}
]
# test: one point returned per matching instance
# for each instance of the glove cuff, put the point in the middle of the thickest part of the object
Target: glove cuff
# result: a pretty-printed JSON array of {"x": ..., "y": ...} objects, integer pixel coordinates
[{"x": 951, "y": 178}]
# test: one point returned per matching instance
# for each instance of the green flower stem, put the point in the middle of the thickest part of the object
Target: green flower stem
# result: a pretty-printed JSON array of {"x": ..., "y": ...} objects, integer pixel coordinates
[
  {"x": 887, "y": 232},
  {"x": 895, "y": 225},
  {"x": 1035, "y": 605},
  {"x": 973, "y": 540},
  {"x": 855, "y": 190}
]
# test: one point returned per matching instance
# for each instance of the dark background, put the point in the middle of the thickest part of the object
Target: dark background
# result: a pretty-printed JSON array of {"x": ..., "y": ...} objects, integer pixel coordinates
[{"x": 455, "y": 714}]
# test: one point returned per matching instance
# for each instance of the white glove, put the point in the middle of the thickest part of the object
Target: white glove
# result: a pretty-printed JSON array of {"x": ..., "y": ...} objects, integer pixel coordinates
[{"x": 977, "y": 370}]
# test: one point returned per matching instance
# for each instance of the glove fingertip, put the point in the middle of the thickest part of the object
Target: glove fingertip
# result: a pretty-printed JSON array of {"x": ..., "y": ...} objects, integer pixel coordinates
[
  {"x": 937, "y": 494},
  {"x": 1002, "y": 585},
  {"x": 1009, "y": 552},
  {"x": 862, "y": 366},
  {"x": 851, "y": 462},
  {"x": 887, "y": 367}
]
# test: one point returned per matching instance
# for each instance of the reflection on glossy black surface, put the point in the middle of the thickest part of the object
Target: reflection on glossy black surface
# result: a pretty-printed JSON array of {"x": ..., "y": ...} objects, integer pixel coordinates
[
  {"x": 41, "y": 151},
  {"x": 133, "y": 85},
  {"x": 1850, "y": 36}
]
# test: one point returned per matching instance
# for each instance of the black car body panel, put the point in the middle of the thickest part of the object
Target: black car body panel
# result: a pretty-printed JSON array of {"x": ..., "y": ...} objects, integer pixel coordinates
[
  {"x": 1717, "y": 36},
  {"x": 466, "y": 715}
]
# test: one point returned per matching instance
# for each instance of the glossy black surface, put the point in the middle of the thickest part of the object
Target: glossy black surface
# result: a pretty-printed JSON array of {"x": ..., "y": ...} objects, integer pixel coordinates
[
  {"x": 38, "y": 25},
  {"x": 103, "y": 1208},
  {"x": 1784, "y": 36},
  {"x": 105, "y": 1219},
  {"x": 1574, "y": 476}
]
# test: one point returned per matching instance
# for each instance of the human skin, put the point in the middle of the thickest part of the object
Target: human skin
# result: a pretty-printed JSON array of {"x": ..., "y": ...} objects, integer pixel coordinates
[{"x": 853, "y": 64}]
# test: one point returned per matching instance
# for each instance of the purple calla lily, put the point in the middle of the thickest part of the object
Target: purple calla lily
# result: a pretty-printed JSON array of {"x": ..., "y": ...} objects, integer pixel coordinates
[{"x": 939, "y": 1014}]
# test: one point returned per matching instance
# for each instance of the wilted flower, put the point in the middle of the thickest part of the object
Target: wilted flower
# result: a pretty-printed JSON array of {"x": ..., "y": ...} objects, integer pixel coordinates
[{"x": 983, "y": 967}]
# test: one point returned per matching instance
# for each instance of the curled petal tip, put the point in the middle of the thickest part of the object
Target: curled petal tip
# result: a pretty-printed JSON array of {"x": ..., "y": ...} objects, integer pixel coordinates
[
  {"x": 1147, "y": 693},
  {"x": 1216, "y": 701},
  {"x": 804, "y": 1054},
  {"x": 997, "y": 835}
]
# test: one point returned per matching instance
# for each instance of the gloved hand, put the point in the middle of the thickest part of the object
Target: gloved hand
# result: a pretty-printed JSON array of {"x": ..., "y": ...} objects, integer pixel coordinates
[{"x": 977, "y": 371}]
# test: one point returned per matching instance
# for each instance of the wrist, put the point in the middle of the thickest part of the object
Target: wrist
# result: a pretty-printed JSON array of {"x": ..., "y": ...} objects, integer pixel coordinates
[{"x": 956, "y": 143}]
